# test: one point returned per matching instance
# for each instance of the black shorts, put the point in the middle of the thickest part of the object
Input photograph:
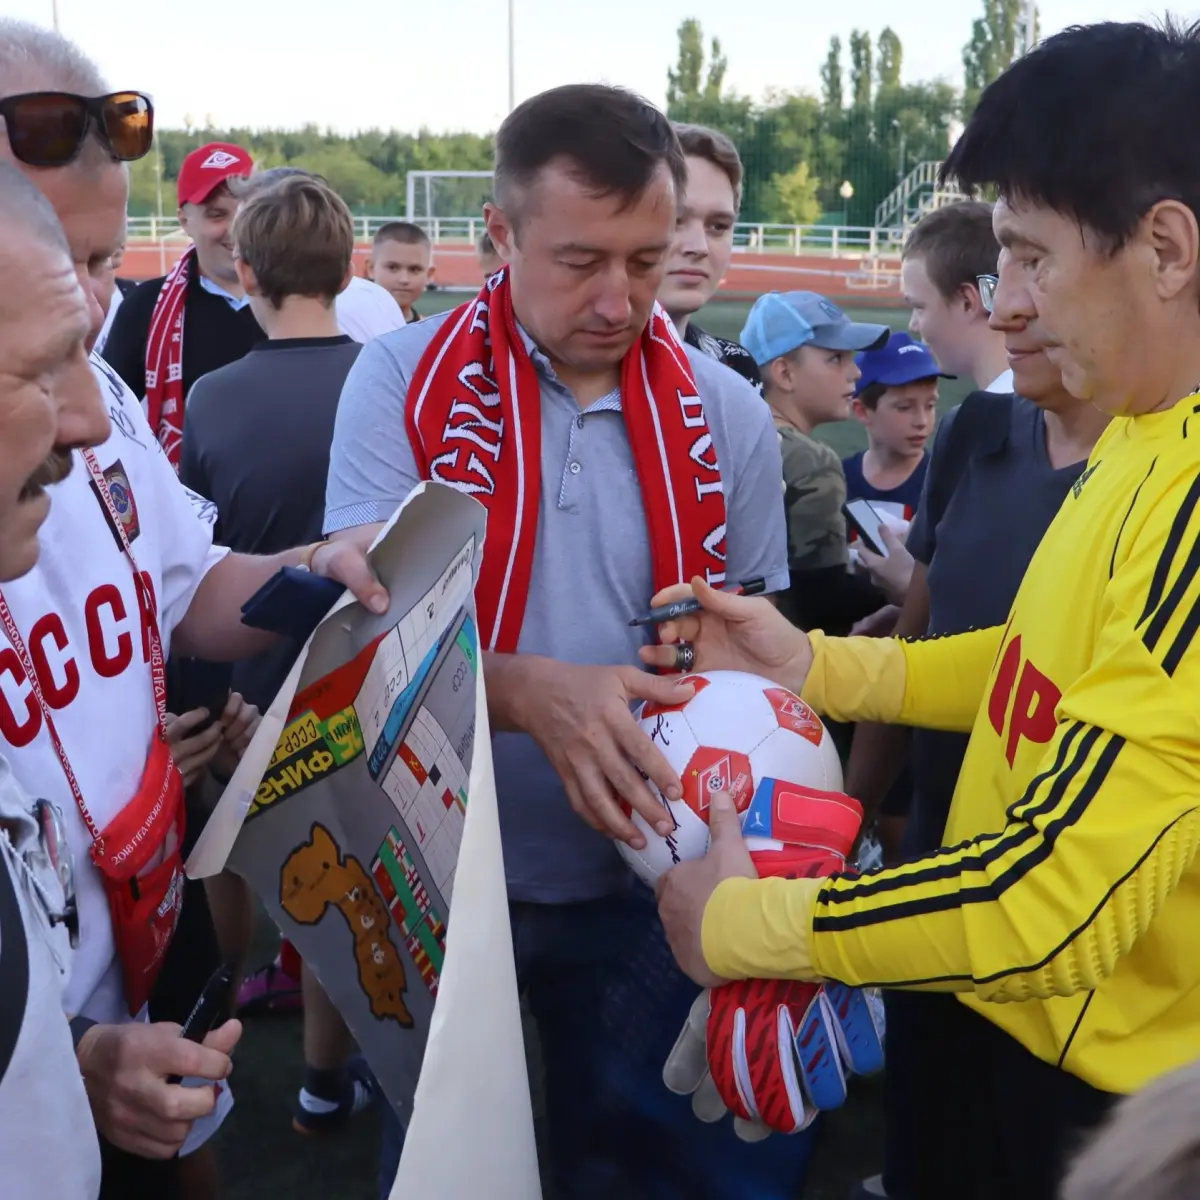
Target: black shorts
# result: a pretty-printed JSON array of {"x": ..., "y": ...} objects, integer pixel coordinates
[
  {"x": 127, "y": 1177},
  {"x": 970, "y": 1112}
]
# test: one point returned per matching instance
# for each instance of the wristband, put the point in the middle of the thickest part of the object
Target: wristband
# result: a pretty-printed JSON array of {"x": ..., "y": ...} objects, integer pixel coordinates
[{"x": 309, "y": 553}]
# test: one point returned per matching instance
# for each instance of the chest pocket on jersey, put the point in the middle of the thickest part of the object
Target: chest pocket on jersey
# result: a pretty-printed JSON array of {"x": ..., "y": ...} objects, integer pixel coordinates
[{"x": 1023, "y": 701}]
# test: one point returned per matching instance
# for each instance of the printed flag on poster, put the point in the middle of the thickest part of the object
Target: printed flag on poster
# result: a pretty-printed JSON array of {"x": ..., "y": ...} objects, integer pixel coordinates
[{"x": 364, "y": 816}]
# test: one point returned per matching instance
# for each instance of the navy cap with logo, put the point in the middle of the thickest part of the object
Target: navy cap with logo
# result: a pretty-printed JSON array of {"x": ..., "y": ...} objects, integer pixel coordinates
[
  {"x": 781, "y": 322},
  {"x": 898, "y": 361}
]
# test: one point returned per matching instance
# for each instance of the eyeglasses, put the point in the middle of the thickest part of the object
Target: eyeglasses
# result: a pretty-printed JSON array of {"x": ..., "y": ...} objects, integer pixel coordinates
[
  {"x": 53, "y": 849},
  {"x": 48, "y": 129},
  {"x": 987, "y": 290}
]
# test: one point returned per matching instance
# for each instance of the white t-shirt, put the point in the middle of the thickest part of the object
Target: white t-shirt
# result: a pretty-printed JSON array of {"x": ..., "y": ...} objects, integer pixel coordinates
[
  {"x": 113, "y": 305},
  {"x": 48, "y": 1143},
  {"x": 365, "y": 310},
  {"x": 1003, "y": 385},
  {"x": 77, "y": 612}
]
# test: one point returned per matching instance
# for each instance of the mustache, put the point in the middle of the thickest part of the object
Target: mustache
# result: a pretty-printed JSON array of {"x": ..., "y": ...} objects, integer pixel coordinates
[{"x": 54, "y": 469}]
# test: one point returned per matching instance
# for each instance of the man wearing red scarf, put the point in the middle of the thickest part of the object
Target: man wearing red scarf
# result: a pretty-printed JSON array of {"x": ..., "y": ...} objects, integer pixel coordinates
[
  {"x": 195, "y": 319},
  {"x": 610, "y": 457}
]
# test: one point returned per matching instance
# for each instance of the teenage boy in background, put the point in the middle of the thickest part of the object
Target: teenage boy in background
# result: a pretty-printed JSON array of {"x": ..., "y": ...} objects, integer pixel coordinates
[
  {"x": 293, "y": 246},
  {"x": 703, "y": 243},
  {"x": 944, "y": 256}
]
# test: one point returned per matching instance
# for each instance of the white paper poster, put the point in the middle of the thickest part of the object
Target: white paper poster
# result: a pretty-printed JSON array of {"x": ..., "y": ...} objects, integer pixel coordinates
[{"x": 364, "y": 816}]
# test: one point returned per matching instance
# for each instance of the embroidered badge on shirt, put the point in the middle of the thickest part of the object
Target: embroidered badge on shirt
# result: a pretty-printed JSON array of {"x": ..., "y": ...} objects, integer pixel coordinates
[{"x": 121, "y": 492}]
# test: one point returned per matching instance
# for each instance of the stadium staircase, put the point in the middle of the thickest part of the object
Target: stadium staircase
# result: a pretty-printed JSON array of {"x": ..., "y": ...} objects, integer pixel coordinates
[{"x": 917, "y": 194}]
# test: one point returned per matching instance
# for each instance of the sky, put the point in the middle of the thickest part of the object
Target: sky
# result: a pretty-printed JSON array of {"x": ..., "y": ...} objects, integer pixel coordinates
[{"x": 443, "y": 65}]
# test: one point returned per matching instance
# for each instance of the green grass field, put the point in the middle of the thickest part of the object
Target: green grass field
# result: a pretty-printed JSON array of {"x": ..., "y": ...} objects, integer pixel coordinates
[{"x": 262, "y": 1157}]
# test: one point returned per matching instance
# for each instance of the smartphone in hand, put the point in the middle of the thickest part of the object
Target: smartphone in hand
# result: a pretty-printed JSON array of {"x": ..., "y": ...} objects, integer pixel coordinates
[{"x": 866, "y": 521}]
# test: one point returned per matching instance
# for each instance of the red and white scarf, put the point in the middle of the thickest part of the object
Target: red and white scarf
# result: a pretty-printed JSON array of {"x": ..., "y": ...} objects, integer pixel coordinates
[
  {"x": 474, "y": 421},
  {"x": 164, "y": 359}
]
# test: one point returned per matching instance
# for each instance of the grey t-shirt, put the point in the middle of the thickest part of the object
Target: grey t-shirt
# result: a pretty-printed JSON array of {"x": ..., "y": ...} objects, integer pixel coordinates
[
  {"x": 48, "y": 1144},
  {"x": 591, "y": 570},
  {"x": 1006, "y": 495}
]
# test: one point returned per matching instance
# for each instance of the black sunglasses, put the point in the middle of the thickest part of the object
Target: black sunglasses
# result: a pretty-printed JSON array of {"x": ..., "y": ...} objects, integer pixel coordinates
[{"x": 48, "y": 129}]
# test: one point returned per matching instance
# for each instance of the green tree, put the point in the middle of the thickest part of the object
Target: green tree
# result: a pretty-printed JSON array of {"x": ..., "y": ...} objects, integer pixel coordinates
[
  {"x": 688, "y": 81},
  {"x": 997, "y": 38},
  {"x": 792, "y": 197},
  {"x": 889, "y": 59},
  {"x": 831, "y": 77},
  {"x": 860, "y": 69}
]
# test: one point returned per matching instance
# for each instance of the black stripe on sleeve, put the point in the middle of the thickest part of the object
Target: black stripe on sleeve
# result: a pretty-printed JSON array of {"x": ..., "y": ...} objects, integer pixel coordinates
[
  {"x": 1053, "y": 954},
  {"x": 1183, "y": 640},
  {"x": 992, "y": 845},
  {"x": 993, "y": 889},
  {"x": 1166, "y": 558},
  {"x": 1174, "y": 598},
  {"x": 1112, "y": 562}
]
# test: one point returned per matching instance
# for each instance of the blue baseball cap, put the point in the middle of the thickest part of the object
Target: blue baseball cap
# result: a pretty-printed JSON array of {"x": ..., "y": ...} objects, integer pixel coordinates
[
  {"x": 898, "y": 361},
  {"x": 781, "y": 322}
]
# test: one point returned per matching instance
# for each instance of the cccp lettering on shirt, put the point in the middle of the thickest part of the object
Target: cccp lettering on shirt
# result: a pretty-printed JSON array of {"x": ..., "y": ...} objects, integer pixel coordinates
[{"x": 79, "y": 613}]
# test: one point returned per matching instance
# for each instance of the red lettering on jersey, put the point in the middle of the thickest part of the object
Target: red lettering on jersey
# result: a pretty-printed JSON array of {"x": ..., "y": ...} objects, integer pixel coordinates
[
  {"x": 17, "y": 732},
  {"x": 1002, "y": 689},
  {"x": 107, "y": 665},
  {"x": 1031, "y": 714},
  {"x": 57, "y": 695},
  {"x": 1033, "y": 710}
]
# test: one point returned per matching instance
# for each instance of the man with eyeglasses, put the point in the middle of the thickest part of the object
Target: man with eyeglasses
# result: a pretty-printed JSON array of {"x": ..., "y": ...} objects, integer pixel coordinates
[
  {"x": 49, "y": 402},
  {"x": 128, "y": 571}
]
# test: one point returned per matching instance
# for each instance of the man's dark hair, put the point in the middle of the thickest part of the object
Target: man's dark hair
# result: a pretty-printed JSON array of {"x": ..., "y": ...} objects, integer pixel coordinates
[
  {"x": 611, "y": 140},
  {"x": 956, "y": 244},
  {"x": 1098, "y": 123}
]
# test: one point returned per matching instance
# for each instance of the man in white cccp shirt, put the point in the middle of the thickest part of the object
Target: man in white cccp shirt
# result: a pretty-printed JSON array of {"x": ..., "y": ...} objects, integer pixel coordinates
[
  {"x": 128, "y": 569},
  {"x": 49, "y": 402}
]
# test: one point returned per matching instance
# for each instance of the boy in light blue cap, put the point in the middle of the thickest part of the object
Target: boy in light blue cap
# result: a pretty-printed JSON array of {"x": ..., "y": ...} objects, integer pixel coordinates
[{"x": 804, "y": 346}]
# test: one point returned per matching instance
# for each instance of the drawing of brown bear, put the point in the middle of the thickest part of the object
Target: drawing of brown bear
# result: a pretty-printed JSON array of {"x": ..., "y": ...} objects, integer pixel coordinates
[{"x": 316, "y": 876}]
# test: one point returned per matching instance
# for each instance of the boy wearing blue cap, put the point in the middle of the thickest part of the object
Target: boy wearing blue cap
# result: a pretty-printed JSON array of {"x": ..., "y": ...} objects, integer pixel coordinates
[
  {"x": 896, "y": 401},
  {"x": 804, "y": 346}
]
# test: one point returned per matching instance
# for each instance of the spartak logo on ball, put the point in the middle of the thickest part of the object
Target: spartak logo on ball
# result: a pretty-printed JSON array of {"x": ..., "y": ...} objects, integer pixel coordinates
[{"x": 735, "y": 732}]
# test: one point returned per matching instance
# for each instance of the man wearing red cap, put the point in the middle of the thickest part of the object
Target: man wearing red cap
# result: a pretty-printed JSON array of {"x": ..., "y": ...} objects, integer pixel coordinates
[{"x": 170, "y": 331}]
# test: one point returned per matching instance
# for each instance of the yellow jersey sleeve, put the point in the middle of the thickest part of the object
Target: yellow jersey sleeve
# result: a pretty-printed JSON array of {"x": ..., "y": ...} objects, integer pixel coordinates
[
  {"x": 936, "y": 683},
  {"x": 1095, "y": 844}
]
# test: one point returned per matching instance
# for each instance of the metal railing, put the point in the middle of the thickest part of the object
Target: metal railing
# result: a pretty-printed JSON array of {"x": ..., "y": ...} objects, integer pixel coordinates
[
  {"x": 916, "y": 194},
  {"x": 833, "y": 240}
]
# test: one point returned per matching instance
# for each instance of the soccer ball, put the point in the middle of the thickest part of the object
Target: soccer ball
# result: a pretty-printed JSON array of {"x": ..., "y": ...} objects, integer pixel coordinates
[{"x": 740, "y": 734}]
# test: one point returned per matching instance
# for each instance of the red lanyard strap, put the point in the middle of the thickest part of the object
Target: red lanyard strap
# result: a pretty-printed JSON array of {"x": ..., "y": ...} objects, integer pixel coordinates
[{"x": 158, "y": 672}]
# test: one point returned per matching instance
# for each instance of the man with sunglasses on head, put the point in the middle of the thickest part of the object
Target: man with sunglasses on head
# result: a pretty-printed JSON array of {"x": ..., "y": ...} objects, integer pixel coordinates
[
  {"x": 49, "y": 402},
  {"x": 128, "y": 572}
]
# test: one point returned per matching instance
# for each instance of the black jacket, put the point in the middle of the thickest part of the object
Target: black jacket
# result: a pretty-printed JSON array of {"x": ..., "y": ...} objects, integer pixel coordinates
[{"x": 214, "y": 335}]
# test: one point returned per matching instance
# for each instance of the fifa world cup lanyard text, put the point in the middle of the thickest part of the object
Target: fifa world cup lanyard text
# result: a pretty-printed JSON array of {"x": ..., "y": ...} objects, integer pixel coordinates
[{"x": 158, "y": 671}]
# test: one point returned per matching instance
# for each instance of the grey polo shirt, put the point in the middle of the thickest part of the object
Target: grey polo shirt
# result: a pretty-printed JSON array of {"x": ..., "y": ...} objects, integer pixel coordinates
[{"x": 591, "y": 567}]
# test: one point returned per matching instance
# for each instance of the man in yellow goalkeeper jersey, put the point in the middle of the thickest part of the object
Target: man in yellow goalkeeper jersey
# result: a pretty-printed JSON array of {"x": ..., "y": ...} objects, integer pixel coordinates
[{"x": 1061, "y": 918}]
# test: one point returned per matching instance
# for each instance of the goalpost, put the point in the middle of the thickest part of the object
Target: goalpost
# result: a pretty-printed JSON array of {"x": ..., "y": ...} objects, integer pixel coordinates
[{"x": 436, "y": 195}]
